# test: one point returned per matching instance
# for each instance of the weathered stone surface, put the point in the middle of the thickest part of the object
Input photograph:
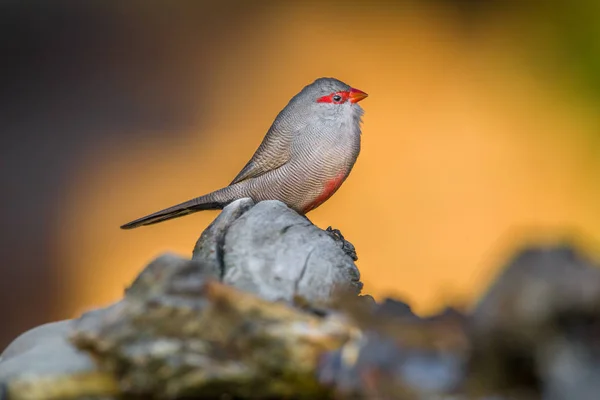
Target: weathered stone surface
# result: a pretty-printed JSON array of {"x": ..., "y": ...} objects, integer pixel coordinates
[
  {"x": 272, "y": 252},
  {"x": 205, "y": 339},
  {"x": 36, "y": 335},
  {"x": 536, "y": 285},
  {"x": 185, "y": 328},
  {"x": 209, "y": 247},
  {"x": 44, "y": 350},
  {"x": 398, "y": 354},
  {"x": 276, "y": 253},
  {"x": 536, "y": 329},
  {"x": 163, "y": 271}
]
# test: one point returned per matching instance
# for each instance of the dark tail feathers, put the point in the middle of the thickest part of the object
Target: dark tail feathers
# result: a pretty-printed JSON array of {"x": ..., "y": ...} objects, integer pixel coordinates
[{"x": 177, "y": 211}]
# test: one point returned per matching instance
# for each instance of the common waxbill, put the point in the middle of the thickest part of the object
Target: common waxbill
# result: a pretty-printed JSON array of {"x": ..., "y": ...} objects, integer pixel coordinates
[{"x": 306, "y": 155}]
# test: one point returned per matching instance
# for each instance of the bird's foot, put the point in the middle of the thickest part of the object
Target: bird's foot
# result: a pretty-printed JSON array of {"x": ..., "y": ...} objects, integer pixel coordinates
[{"x": 346, "y": 245}]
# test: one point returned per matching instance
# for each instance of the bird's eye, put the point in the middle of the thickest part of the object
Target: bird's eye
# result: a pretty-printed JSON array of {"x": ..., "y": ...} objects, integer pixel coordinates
[{"x": 337, "y": 97}]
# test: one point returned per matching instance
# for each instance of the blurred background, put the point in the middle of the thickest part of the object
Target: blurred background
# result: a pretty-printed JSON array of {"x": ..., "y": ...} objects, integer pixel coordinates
[{"x": 481, "y": 131}]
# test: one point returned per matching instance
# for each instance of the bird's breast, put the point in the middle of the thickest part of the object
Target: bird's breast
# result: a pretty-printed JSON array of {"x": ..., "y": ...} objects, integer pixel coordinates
[
  {"x": 329, "y": 188},
  {"x": 326, "y": 168}
]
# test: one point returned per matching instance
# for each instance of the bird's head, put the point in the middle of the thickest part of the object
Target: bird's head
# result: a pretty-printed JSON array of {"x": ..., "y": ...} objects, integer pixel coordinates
[
  {"x": 330, "y": 97},
  {"x": 335, "y": 92},
  {"x": 326, "y": 100}
]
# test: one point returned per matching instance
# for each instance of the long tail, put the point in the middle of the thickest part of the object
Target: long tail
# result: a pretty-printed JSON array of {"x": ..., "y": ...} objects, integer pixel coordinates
[{"x": 212, "y": 201}]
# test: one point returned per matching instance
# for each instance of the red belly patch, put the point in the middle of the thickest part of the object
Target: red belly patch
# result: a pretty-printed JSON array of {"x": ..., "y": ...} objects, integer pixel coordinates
[{"x": 328, "y": 190}]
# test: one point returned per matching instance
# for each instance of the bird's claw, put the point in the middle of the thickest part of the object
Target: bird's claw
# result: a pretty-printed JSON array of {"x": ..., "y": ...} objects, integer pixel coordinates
[
  {"x": 347, "y": 247},
  {"x": 335, "y": 232}
]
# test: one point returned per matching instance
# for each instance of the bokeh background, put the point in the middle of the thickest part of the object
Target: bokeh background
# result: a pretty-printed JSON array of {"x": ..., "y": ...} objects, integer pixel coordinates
[{"x": 481, "y": 132}]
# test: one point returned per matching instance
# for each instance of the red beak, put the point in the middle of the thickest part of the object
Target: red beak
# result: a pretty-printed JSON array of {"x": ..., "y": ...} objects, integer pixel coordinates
[{"x": 357, "y": 95}]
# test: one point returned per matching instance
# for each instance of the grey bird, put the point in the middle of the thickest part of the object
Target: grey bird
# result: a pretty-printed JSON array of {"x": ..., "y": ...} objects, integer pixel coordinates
[{"x": 304, "y": 158}]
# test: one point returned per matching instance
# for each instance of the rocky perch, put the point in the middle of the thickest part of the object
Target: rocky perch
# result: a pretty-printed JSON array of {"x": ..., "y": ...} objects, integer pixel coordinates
[{"x": 269, "y": 306}]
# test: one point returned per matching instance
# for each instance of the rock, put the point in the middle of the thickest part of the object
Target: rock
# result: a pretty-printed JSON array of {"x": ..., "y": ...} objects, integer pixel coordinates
[
  {"x": 187, "y": 336},
  {"x": 46, "y": 350},
  {"x": 49, "y": 356},
  {"x": 398, "y": 355},
  {"x": 266, "y": 249},
  {"x": 209, "y": 247},
  {"x": 29, "y": 339},
  {"x": 216, "y": 325},
  {"x": 272, "y": 251},
  {"x": 536, "y": 285},
  {"x": 43, "y": 364},
  {"x": 164, "y": 270},
  {"x": 536, "y": 329}
]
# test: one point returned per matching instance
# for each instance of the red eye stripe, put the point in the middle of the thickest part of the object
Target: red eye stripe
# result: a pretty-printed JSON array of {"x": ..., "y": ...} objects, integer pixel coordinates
[{"x": 329, "y": 98}]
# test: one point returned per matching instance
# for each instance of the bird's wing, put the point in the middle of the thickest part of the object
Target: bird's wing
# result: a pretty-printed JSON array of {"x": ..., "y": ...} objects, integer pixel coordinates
[{"x": 273, "y": 152}]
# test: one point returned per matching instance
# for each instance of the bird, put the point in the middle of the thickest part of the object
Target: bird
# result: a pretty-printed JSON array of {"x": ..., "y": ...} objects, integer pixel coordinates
[{"x": 306, "y": 155}]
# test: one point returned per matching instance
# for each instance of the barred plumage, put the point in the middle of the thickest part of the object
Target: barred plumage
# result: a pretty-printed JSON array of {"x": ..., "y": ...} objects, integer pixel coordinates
[{"x": 305, "y": 156}]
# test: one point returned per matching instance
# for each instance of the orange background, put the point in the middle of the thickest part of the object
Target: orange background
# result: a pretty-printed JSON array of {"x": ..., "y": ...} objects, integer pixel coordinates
[
  {"x": 474, "y": 140},
  {"x": 462, "y": 145}
]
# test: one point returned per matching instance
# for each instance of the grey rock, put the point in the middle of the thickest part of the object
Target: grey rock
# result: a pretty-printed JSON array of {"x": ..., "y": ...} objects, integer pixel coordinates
[
  {"x": 276, "y": 253},
  {"x": 538, "y": 284},
  {"x": 266, "y": 249},
  {"x": 187, "y": 335},
  {"x": 570, "y": 369},
  {"x": 44, "y": 350},
  {"x": 399, "y": 355},
  {"x": 163, "y": 270},
  {"x": 30, "y": 338},
  {"x": 209, "y": 247},
  {"x": 536, "y": 328}
]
